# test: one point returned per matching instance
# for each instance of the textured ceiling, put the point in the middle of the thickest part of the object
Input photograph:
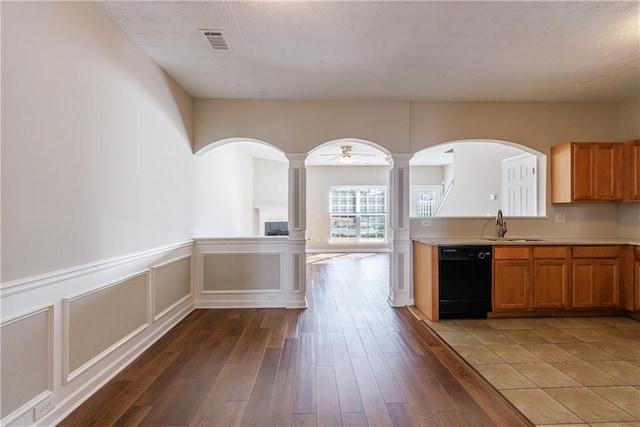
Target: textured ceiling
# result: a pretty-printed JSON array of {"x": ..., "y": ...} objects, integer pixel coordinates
[{"x": 393, "y": 50}]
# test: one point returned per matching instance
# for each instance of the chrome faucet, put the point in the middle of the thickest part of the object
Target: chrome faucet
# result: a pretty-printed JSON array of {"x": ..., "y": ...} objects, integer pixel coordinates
[{"x": 502, "y": 224}]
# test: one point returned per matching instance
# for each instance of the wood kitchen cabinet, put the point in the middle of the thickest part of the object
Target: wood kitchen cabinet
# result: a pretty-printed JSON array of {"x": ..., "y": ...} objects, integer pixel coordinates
[
  {"x": 425, "y": 279},
  {"x": 531, "y": 278},
  {"x": 551, "y": 277},
  {"x": 595, "y": 277},
  {"x": 632, "y": 171},
  {"x": 512, "y": 278},
  {"x": 586, "y": 172},
  {"x": 636, "y": 270}
]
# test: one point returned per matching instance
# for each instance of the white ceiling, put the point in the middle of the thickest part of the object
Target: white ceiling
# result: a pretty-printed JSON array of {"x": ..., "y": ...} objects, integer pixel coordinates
[{"x": 394, "y": 50}]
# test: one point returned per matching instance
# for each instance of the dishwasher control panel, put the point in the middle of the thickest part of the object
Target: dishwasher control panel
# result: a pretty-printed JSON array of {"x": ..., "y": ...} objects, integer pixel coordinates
[{"x": 480, "y": 252}]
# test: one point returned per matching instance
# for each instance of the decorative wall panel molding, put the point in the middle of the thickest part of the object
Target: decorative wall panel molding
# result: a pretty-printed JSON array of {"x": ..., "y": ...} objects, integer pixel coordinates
[
  {"x": 97, "y": 322},
  {"x": 80, "y": 326},
  {"x": 26, "y": 361},
  {"x": 171, "y": 283},
  {"x": 242, "y": 272}
]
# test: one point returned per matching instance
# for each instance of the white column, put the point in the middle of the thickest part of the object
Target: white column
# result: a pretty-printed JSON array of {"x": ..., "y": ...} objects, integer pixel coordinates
[
  {"x": 297, "y": 229},
  {"x": 400, "y": 281}
]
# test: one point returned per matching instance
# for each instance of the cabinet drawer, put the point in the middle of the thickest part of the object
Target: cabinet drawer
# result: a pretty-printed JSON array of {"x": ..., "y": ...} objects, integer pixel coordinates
[
  {"x": 550, "y": 252},
  {"x": 596, "y": 251},
  {"x": 511, "y": 252}
]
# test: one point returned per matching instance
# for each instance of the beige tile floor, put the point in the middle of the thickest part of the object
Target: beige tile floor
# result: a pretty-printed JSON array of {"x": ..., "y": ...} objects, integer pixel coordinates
[{"x": 556, "y": 371}]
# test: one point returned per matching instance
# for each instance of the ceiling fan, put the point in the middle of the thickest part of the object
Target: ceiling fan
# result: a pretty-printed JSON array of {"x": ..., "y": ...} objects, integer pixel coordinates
[{"x": 348, "y": 156}]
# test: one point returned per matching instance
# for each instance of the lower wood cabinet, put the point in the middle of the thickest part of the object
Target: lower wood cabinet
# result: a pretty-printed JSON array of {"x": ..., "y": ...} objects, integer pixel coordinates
[
  {"x": 555, "y": 277},
  {"x": 551, "y": 277},
  {"x": 636, "y": 271},
  {"x": 511, "y": 278},
  {"x": 595, "y": 282},
  {"x": 514, "y": 278}
]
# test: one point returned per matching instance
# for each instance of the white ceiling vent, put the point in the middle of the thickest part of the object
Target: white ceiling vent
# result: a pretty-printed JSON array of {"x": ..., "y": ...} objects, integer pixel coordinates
[{"x": 215, "y": 39}]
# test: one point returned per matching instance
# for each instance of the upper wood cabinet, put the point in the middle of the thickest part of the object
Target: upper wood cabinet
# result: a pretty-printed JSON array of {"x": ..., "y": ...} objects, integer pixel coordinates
[
  {"x": 632, "y": 171},
  {"x": 586, "y": 172}
]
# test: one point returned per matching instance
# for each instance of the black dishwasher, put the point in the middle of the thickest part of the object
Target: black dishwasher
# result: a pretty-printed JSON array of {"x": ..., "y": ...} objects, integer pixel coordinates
[{"x": 464, "y": 281}]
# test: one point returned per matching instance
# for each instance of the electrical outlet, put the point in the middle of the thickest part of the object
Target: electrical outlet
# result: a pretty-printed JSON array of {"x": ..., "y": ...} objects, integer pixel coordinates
[
  {"x": 426, "y": 223},
  {"x": 43, "y": 409},
  {"x": 560, "y": 217},
  {"x": 271, "y": 297}
]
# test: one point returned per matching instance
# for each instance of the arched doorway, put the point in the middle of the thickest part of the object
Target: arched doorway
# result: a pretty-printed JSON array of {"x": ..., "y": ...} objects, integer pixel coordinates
[
  {"x": 241, "y": 189},
  {"x": 348, "y": 186}
]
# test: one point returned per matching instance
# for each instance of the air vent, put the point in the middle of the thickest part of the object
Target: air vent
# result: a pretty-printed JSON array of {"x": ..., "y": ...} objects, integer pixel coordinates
[{"x": 215, "y": 39}]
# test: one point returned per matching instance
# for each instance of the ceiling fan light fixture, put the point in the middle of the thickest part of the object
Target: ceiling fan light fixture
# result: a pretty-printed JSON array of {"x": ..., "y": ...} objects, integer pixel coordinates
[{"x": 346, "y": 159}]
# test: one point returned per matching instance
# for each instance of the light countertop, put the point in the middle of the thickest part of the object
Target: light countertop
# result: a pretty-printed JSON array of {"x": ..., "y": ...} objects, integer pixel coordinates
[{"x": 516, "y": 240}]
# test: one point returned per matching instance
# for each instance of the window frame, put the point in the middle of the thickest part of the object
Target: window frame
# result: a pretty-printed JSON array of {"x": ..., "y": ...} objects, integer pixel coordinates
[{"x": 354, "y": 213}]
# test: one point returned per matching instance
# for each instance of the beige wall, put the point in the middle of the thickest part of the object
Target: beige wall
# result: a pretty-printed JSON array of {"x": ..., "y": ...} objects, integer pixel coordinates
[
  {"x": 297, "y": 127},
  {"x": 535, "y": 125},
  {"x": 407, "y": 127},
  {"x": 630, "y": 119},
  {"x": 96, "y": 158}
]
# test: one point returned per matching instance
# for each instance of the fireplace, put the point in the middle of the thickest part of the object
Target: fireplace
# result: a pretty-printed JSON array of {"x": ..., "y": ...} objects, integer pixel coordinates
[
  {"x": 276, "y": 228},
  {"x": 272, "y": 221}
]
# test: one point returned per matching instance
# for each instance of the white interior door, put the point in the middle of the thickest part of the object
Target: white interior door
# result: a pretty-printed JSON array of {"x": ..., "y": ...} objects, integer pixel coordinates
[{"x": 519, "y": 184}]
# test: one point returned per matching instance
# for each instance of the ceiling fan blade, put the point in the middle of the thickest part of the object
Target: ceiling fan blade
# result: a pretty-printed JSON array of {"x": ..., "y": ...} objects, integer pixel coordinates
[
  {"x": 322, "y": 155},
  {"x": 363, "y": 154},
  {"x": 335, "y": 156}
]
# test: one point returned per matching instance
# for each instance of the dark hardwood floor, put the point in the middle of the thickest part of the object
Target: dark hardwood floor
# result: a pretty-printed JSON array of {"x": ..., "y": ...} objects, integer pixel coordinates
[{"x": 349, "y": 359}]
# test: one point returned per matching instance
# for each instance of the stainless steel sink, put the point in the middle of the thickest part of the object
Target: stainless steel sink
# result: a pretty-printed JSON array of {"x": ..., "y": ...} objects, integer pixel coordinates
[{"x": 513, "y": 239}]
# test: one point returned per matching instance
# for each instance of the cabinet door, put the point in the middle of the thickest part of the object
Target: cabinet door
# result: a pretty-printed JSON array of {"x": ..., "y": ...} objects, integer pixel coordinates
[
  {"x": 550, "y": 283},
  {"x": 606, "y": 279},
  {"x": 582, "y": 172},
  {"x": 607, "y": 169},
  {"x": 583, "y": 291},
  {"x": 637, "y": 287},
  {"x": 512, "y": 283},
  {"x": 632, "y": 170}
]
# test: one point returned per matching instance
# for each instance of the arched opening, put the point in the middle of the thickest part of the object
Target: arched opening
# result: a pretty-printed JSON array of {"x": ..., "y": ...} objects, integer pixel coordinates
[
  {"x": 347, "y": 197},
  {"x": 241, "y": 189},
  {"x": 476, "y": 177},
  {"x": 348, "y": 211}
]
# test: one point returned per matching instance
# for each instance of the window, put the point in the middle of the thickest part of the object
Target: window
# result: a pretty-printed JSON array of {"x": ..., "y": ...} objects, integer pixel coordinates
[
  {"x": 358, "y": 214},
  {"x": 425, "y": 200}
]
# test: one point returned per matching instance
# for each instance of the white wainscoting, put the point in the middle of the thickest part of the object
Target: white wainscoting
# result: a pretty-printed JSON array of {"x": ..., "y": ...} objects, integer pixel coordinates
[
  {"x": 97, "y": 322},
  {"x": 171, "y": 285},
  {"x": 26, "y": 352},
  {"x": 79, "y": 327},
  {"x": 248, "y": 273}
]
